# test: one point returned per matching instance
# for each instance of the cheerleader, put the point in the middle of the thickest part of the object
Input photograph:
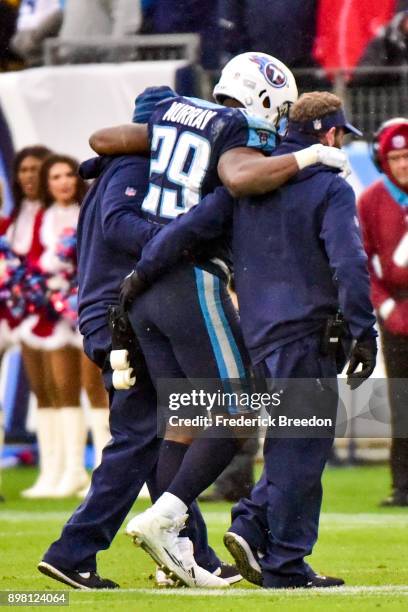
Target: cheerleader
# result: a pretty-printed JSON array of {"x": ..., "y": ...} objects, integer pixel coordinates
[
  {"x": 18, "y": 229},
  {"x": 64, "y": 366}
]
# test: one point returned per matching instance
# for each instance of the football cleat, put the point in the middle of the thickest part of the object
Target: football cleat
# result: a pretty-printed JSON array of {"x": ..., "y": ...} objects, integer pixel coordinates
[
  {"x": 323, "y": 582},
  {"x": 203, "y": 578},
  {"x": 227, "y": 572},
  {"x": 158, "y": 536},
  {"x": 84, "y": 581},
  {"x": 396, "y": 499},
  {"x": 244, "y": 557},
  {"x": 162, "y": 579}
]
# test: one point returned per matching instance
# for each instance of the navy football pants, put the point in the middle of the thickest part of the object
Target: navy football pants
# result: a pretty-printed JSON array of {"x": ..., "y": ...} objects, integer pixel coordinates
[
  {"x": 128, "y": 461},
  {"x": 281, "y": 518},
  {"x": 188, "y": 327}
]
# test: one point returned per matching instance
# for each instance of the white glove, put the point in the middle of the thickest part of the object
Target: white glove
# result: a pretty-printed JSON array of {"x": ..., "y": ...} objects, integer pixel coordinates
[
  {"x": 331, "y": 156},
  {"x": 346, "y": 170},
  {"x": 123, "y": 379},
  {"x": 119, "y": 359},
  {"x": 320, "y": 154},
  {"x": 122, "y": 376}
]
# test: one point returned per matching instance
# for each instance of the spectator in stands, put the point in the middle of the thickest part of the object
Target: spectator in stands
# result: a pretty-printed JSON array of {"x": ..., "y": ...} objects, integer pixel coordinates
[
  {"x": 286, "y": 32},
  {"x": 271, "y": 27},
  {"x": 37, "y": 20},
  {"x": 388, "y": 50},
  {"x": 189, "y": 16},
  {"x": 101, "y": 18},
  {"x": 8, "y": 18},
  {"x": 84, "y": 21},
  {"x": 383, "y": 210}
]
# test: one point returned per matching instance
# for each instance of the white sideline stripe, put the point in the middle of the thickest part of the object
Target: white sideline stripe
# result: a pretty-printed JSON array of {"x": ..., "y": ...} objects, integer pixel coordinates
[
  {"x": 328, "y": 519},
  {"x": 332, "y": 518},
  {"x": 20, "y": 515},
  {"x": 360, "y": 591},
  {"x": 23, "y": 534}
]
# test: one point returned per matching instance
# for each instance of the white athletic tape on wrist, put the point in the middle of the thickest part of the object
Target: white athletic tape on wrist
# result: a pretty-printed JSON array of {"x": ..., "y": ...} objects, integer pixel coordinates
[
  {"x": 123, "y": 379},
  {"x": 306, "y": 157},
  {"x": 386, "y": 308},
  {"x": 119, "y": 359}
]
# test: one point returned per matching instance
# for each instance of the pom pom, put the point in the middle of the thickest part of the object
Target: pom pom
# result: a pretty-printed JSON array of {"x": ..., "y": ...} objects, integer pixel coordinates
[{"x": 66, "y": 247}]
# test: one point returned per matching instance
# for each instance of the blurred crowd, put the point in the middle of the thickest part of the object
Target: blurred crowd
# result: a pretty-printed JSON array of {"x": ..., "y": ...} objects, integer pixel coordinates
[
  {"x": 38, "y": 312},
  {"x": 302, "y": 33}
]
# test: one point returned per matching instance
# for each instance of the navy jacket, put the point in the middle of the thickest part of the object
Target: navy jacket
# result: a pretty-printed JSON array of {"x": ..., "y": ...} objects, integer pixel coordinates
[
  {"x": 111, "y": 234},
  {"x": 298, "y": 255},
  {"x": 283, "y": 29}
]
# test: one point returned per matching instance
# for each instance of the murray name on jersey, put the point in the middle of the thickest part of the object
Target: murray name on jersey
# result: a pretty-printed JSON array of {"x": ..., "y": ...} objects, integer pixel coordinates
[{"x": 189, "y": 115}]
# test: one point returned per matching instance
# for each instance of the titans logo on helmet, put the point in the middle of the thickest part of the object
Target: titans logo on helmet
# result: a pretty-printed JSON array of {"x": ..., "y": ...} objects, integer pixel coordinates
[
  {"x": 274, "y": 75},
  {"x": 263, "y": 137}
]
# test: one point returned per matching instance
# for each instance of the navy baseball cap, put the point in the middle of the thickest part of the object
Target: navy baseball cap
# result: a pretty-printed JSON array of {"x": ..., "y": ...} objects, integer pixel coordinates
[
  {"x": 323, "y": 124},
  {"x": 147, "y": 100}
]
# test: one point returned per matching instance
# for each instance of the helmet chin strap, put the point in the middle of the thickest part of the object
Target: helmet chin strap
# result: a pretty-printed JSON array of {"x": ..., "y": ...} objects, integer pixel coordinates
[{"x": 283, "y": 113}]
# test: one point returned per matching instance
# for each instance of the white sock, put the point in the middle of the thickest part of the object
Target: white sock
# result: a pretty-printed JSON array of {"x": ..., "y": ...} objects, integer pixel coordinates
[{"x": 170, "y": 505}]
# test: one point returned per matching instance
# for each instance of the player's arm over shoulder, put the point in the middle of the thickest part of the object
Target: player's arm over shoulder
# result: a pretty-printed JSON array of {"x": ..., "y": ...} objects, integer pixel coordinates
[
  {"x": 124, "y": 139},
  {"x": 243, "y": 168},
  {"x": 246, "y": 171}
]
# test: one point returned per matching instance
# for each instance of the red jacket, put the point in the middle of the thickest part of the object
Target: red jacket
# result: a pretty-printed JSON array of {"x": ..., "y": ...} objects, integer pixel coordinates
[{"x": 384, "y": 224}]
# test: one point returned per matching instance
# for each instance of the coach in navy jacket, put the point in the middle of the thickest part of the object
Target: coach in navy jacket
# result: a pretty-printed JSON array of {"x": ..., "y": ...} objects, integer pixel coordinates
[
  {"x": 298, "y": 259},
  {"x": 111, "y": 235}
]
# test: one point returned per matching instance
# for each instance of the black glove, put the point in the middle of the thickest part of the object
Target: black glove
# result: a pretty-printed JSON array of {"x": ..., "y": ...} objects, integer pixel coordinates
[
  {"x": 364, "y": 352},
  {"x": 132, "y": 286}
]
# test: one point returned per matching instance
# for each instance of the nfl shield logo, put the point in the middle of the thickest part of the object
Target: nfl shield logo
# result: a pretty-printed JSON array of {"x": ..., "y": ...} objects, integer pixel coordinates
[
  {"x": 317, "y": 124},
  {"x": 130, "y": 192}
]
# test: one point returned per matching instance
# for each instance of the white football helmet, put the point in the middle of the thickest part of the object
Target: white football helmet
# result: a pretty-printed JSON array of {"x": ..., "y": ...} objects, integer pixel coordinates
[{"x": 261, "y": 83}]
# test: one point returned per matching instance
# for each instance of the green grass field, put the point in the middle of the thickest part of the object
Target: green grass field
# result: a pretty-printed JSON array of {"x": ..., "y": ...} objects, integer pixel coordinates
[{"x": 366, "y": 545}]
